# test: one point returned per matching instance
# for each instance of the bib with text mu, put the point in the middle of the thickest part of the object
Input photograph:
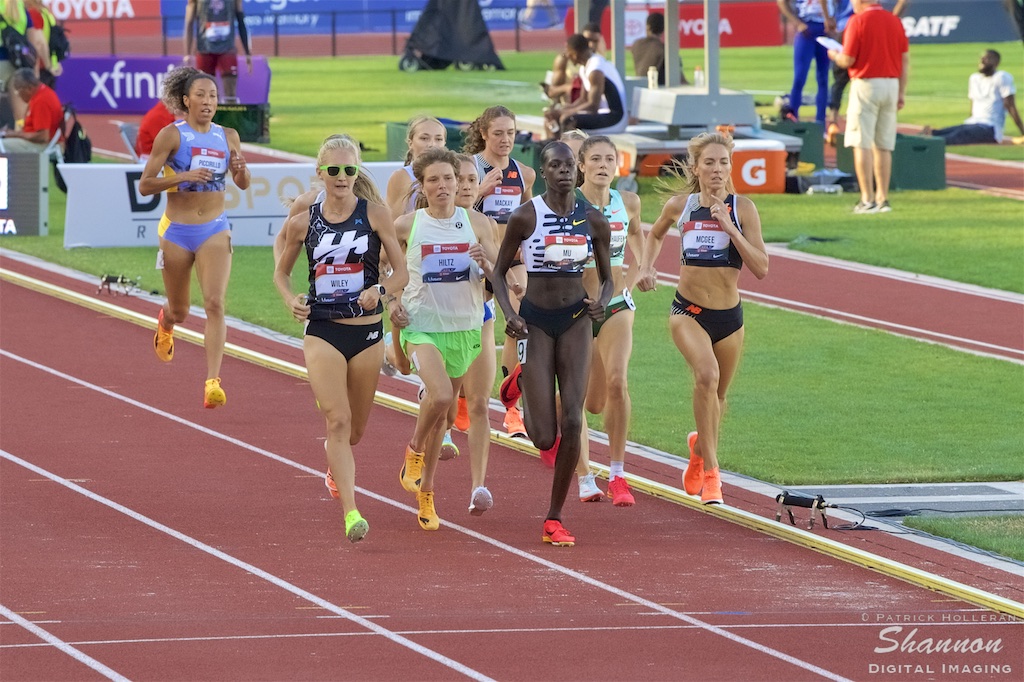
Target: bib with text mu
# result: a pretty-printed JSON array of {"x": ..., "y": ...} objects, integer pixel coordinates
[
  {"x": 444, "y": 263},
  {"x": 705, "y": 240},
  {"x": 338, "y": 282},
  {"x": 566, "y": 252},
  {"x": 504, "y": 200}
]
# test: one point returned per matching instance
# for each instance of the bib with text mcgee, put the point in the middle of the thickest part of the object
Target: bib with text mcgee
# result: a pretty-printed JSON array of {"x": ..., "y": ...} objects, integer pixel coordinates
[{"x": 705, "y": 240}]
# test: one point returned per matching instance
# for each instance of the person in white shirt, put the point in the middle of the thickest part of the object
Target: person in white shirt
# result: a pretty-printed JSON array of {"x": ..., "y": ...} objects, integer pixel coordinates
[
  {"x": 601, "y": 109},
  {"x": 991, "y": 92}
]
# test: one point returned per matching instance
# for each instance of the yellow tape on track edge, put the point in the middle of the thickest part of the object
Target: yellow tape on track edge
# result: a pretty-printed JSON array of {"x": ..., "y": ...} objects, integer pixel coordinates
[{"x": 738, "y": 516}]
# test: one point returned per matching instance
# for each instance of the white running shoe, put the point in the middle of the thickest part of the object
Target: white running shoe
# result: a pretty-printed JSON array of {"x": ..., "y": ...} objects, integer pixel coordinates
[
  {"x": 589, "y": 492},
  {"x": 449, "y": 450},
  {"x": 386, "y": 367},
  {"x": 481, "y": 501}
]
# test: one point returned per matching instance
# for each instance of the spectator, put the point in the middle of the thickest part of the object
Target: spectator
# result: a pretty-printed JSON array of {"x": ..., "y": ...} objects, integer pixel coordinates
[
  {"x": 602, "y": 106},
  {"x": 592, "y": 32},
  {"x": 811, "y": 20},
  {"x": 876, "y": 51},
  {"x": 841, "y": 76},
  {"x": 43, "y": 118},
  {"x": 650, "y": 50},
  {"x": 155, "y": 120},
  {"x": 215, "y": 40},
  {"x": 49, "y": 66},
  {"x": 14, "y": 14},
  {"x": 991, "y": 92}
]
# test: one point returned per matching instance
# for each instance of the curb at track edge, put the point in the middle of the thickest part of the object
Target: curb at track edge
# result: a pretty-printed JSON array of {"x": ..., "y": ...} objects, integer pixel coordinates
[{"x": 740, "y": 517}]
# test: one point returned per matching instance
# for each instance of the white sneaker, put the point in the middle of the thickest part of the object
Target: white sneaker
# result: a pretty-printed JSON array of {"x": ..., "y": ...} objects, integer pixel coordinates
[
  {"x": 386, "y": 367},
  {"x": 481, "y": 501},
  {"x": 589, "y": 492}
]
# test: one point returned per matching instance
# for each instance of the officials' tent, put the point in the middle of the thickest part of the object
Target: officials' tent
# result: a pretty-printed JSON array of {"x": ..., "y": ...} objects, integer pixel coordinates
[{"x": 450, "y": 31}]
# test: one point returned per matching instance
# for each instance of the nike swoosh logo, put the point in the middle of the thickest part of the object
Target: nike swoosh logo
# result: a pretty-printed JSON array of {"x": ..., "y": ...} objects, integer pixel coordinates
[
  {"x": 579, "y": 222},
  {"x": 577, "y": 314},
  {"x": 618, "y": 210}
]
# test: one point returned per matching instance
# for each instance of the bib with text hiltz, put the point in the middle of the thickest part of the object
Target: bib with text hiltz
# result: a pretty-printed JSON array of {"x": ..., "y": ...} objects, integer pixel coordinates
[
  {"x": 338, "y": 282},
  {"x": 566, "y": 252},
  {"x": 441, "y": 263},
  {"x": 504, "y": 200},
  {"x": 705, "y": 240}
]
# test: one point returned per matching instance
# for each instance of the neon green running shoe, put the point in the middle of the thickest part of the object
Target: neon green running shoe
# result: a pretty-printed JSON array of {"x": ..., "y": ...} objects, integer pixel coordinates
[{"x": 356, "y": 526}]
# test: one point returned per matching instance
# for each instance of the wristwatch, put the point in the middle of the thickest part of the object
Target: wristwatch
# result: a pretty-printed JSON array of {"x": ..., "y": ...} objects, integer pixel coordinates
[{"x": 380, "y": 289}]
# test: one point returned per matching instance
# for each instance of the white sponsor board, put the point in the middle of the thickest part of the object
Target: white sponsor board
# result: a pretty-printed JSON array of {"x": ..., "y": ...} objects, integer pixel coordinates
[{"x": 105, "y": 209}]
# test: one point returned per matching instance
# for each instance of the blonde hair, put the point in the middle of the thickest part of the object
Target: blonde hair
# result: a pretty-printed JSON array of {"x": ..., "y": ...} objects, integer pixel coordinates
[
  {"x": 682, "y": 176},
  {"x": 429, "y": 158},
  {"x": 363, "y": 187},
  {"x": 410, "y": 132},
  {"x": 477, "y": 133}
]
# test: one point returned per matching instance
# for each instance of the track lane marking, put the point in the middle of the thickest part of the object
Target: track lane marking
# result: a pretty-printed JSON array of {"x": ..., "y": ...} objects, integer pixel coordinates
[
  {"x": 52, "y": 640},
  {"x": 308, "y": 596}
]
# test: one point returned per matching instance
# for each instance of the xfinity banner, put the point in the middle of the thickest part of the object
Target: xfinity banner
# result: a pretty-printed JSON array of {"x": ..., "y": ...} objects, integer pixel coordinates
[
  {"x": 956, "y": 21},
  {"x": 126, "y": 218},
  {"x": 131, "y": 85}
]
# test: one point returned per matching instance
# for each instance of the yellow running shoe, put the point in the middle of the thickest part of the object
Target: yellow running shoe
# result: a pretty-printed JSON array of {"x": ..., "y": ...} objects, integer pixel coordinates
[
  {"x": 693, "y": 478},
  {"x": 412, "y": 470},
  {"x": 356, "y": 526},
  {"x": 214, "y": 394},
  {"x": 163, "y": 340},
  {"x": 427, "y": 516}
]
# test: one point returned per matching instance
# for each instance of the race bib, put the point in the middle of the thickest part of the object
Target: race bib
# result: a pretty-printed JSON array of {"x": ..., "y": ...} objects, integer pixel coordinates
[
  {"x": 628, "y": 299},
  {"x": 217, "y": 30},
  {"x": 504, "y": 200},
  {"x": 445, "y": 263},
  {"x": 521, "y": 350},
  {"x": 618, "y": 240},
  {"x": 211, "y": 159},
  {"x": 566, "y": 252},
  {"x": 338, "y": 283},
  {"x": 705, "y": 240}
]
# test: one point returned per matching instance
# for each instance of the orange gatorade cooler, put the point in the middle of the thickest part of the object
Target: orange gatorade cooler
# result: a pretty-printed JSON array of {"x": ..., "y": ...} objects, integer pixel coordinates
[{"x": 759, "y": 167}]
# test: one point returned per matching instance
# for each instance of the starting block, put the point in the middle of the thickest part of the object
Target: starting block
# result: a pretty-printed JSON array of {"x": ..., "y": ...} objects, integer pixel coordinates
[
  {"x": 787, "y": 500},
  {"x": 114, "y": 284}
]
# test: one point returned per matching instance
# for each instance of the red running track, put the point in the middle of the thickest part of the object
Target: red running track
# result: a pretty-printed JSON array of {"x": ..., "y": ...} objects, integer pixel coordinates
[{"x": 249, "y": 576}]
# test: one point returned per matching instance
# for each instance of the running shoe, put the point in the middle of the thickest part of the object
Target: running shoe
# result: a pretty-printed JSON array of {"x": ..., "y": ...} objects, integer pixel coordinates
[
  {"x": 549, "y": 456},
  {"x": 514, "y": 423},
  {"x": 589, "y": 492},
  {"x": 509, "y": 390},
  {"x": 356, "y": 526},
  {"x": 386, "y": 367},
  {"x": 622, "y": 496},
  {"x": 421, "y": 393},
  {"x": 693, "y": 477},
  {"x": 412, "y": 470},
  {"x": 481, "y": 501},
  {"x": 163, "y": 340},
  {"x": 884, "y": 207},
  {"x": 213, "y": 394},
  {"x": 558, "y": 536},
  {"x": 462, "y": 415},
  {"x": 427, "y": 516},
  {"x": 449, "y": 450},
  {"x": 332, "y": 487},
  {"x": 865, "y": 207},
  {"x": 712, "y": 492}
]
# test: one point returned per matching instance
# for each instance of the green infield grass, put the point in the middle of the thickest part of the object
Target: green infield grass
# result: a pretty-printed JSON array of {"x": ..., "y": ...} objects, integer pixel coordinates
[{"x": 1000, "y": 534}]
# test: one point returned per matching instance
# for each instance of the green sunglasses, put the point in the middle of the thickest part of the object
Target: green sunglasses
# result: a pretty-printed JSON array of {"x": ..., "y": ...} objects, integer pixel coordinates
[{"x": 333, "y": 171}]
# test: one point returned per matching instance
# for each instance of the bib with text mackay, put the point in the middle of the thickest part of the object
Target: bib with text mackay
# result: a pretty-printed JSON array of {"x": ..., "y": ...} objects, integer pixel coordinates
[
  {"x": 504, "y": 200},
  {"x": 338, "y": 282},
  {"x": 705, "y": 240},
  {"x": 566, "y": 252},
  {"x": 443, "y": 263}
]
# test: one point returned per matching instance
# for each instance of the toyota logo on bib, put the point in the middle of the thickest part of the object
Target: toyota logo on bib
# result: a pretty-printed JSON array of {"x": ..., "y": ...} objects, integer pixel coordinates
[{"x": 755, "y": 172}]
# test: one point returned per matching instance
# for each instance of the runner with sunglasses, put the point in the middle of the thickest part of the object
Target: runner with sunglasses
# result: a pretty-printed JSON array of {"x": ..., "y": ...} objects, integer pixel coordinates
[{"x": 342, "y": 232}]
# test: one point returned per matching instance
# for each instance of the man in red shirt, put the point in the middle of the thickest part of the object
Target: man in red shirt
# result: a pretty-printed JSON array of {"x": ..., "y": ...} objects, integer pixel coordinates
[
  {"x": 44, "y": 117},
  {"x": 155, "y": 120},
  {"x": 876, "y": 51}
]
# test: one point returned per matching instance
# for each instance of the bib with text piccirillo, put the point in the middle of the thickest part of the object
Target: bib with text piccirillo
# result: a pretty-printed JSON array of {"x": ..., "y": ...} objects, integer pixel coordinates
[
  {"x": 443, "y": 263},
  {"x": 214, "y": 160},
  {"x": 705, "y": 240}
]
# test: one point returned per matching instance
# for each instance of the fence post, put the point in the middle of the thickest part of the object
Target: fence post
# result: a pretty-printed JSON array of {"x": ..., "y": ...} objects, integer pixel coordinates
[
  {"x": 113, "y": 46},
  {"x": 517, "y": 32},
  {"x": 163, "y": 34},
  {"x": 334, "y": 34},
  {"x": 394, "y": 31},
  {"x": 276, "y": 37}
]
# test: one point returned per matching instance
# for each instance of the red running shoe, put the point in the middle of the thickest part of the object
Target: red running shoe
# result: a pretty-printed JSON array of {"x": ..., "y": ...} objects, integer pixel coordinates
[
  {"x": 622, "y": 496},
  {"x": 712, "y": 492},
  {"x": 509, "y": 392},
  {"x": 548, "y": 456},
  {"x": 462, "y": 416},
  {"x": 693, "y": 477},
  {"x": 332, "y": 487},
  {"x": 558, "y": 536}
]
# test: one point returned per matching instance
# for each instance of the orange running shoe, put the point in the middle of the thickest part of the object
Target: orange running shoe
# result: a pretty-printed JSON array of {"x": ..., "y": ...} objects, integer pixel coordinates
[
  {"x": 332, "y": 487},
  {"x": 427, "y": 516},
  {"x": 412, "y": 470},
  {"x": 558, "y": 536},
  {"x": 514, "y": 423},
  {"x": 712, "y": 492},
  {"x": 551, "y": 454},
  {"x": 163, "y": 340},
  {"x": 693, "y": 477},
  {"x": 213, "y": 394},
  {"x": 462, "y": 416},
  {"x": 622, "y": 496},
  {"x": 509, "y": 390}
]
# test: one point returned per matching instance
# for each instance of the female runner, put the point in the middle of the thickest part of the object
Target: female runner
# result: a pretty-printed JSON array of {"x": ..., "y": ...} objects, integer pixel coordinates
[{"x": 423, "y": 133}]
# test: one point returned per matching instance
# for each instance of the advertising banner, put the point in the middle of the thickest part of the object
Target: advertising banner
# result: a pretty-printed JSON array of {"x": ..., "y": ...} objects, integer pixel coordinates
[
  {"x": 126, "y": 218},
  {"x": 956, "y": 21},
  {"x": 131, "y": 85}
]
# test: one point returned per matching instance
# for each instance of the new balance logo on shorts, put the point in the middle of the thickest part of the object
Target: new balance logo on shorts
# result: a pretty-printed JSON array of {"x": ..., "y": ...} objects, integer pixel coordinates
[{"x": 373, "y": 336}]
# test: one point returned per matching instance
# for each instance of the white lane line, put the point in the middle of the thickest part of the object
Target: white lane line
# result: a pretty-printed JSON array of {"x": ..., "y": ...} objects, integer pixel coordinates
[
  {"x": 250, "y": 569},
  {"x": 52, "y": 640},
  {"x": 530, "y": 631},
  {"x": 386, "y": 500}
]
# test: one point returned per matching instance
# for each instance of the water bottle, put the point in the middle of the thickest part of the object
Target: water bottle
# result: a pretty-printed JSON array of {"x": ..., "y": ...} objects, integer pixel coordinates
[
  {"x": 652, "y": 77},
  {"x": 825, "y": 189},
  {"x": 698, "y": 76}
]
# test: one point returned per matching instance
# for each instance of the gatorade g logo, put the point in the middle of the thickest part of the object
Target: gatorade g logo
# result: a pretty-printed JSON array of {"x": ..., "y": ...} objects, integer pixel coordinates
[{"x": 755, "y": 172}]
